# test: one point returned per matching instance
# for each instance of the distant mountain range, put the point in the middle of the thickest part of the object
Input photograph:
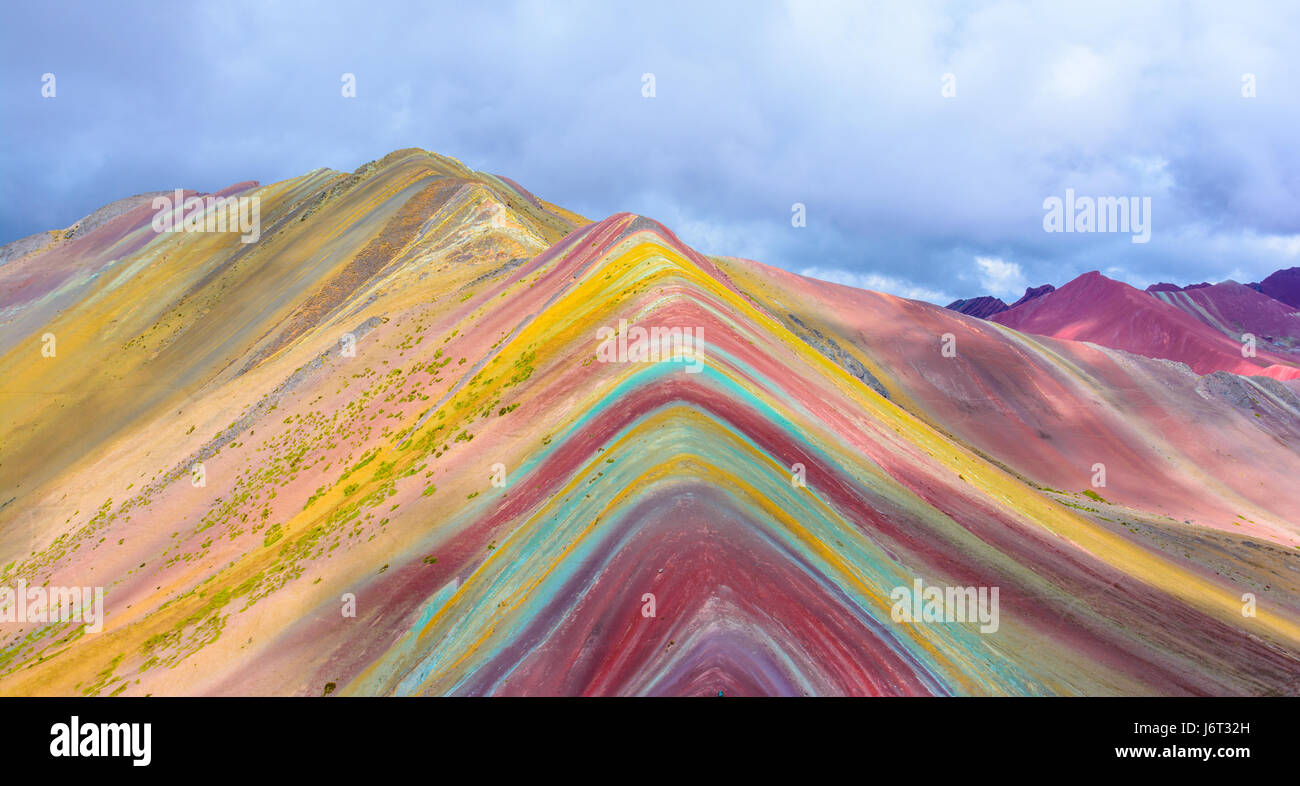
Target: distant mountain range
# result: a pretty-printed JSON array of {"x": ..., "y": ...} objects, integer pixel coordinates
[{"x": 1251, "y": 329}]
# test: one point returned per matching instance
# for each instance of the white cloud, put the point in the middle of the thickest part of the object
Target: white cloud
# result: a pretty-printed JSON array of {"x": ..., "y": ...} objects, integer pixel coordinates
[
  {"x": 1133, "y": 279},
  {"x": 1286, "y": 247},
  {"x": 1001, "y": 278},
  {"x": 879, "y": 283},
  {"x": 836, "y": 105}
]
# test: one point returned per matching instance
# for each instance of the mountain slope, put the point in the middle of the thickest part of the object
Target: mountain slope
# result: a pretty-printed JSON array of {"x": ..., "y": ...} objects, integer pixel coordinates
[
  {"x": 1235, "y": 309},
  {"x": 1173, "y": 442}
]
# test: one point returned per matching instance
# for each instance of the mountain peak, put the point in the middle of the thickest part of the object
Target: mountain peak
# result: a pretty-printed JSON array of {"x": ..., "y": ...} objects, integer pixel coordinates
[
  {"x": 1283, "y": 285},
  {"x": 1033, "y": 292},
  {"x": 982, "y": 307}
]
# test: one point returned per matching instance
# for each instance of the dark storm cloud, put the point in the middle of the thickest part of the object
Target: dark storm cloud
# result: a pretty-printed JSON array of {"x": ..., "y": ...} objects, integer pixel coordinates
[{"x": 757, "y": 107}]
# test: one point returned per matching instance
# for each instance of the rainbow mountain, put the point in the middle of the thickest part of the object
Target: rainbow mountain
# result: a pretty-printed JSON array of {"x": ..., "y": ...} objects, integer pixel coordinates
[{"x": 384, "y": 449}]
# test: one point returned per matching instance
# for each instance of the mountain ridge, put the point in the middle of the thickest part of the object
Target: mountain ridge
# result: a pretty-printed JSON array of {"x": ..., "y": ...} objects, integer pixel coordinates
[{"x": 474, "y": 311}]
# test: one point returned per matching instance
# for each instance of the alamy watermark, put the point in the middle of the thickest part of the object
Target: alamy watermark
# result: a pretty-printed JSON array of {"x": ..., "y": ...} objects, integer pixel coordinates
[
  {"x": 209, "y": 214},
  {"x": 636, "y": 344},
  {"x": 41, "y": 605},
  {"x": 77, "y": 738},
  {"x": 1098, "y": 214},
  {"x": 946, "y": 604}
]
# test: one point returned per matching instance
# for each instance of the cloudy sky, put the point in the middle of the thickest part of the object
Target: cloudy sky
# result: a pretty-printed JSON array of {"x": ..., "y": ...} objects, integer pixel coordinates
[{"x": 757, "y": 106}]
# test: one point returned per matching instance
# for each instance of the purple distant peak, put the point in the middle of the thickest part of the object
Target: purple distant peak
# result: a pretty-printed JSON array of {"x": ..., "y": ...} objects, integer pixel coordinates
[
  {"x": 1167, "y": 287},
  {"x": 983, "y": 306},
  {"x": 1284, "y": 285},
  {"x": 1033, "y": 292}
]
